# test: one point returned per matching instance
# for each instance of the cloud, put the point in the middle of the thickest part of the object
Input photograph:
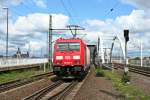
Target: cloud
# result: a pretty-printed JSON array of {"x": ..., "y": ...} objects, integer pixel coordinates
[
  {"x": 40, "y": 3},
  {"x": 29, "y": 28},
  {"x": 7, "y": 3},
  {"x": 140, "y": 4},
  {"x": 137, "y": 22},
  {"x": 39, "y": 22}
]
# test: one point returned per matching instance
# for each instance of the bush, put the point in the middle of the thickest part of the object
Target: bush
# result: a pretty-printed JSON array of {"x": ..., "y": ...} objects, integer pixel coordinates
[
  {"x": 99, "y": 72},
  {"x": 125, "y": 78}
]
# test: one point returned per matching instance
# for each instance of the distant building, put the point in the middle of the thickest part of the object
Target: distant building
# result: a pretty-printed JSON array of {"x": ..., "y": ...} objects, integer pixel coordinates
[
  {"x": 18, "y": 53},
  {"x": 21, "y": 55},
  {"x": 146, "y": 58},
  {"x": 25, "y": 55}
]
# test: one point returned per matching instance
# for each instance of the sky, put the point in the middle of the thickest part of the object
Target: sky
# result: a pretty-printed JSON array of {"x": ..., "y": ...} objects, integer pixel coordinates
[{"x": 29, "y": 21}]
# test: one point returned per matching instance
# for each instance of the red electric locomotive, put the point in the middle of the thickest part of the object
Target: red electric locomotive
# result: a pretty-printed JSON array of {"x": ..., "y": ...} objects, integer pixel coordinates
[{"x": 71, "y": 57}]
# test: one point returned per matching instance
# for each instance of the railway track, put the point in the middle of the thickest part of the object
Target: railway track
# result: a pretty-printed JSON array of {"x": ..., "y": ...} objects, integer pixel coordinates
[
  {"x": 56, "y": 91},
  {"x": 134, "y": 69},
  {"x": 139, "y": 71},
  {"x": 62, "y": 94},
  {"x": 39, "y": 94},
  {"x": 16, "y": 83}
]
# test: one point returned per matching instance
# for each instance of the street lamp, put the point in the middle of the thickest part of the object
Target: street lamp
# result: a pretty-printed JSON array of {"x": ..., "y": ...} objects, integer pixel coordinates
[{"x": 5, "y": 8}]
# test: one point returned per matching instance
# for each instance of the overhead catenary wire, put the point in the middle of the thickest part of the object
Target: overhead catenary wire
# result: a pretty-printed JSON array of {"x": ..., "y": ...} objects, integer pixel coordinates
[
  {"x": 67, "y": 11},
  {"x": 75, "y": 14}
]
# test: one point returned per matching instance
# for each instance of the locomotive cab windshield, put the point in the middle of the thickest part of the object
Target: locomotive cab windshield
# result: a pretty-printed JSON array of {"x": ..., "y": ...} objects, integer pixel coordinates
[{"x": 68, "y": 46}]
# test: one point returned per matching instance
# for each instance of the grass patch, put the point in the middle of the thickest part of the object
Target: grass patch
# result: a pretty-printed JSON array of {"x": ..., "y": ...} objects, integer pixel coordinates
[
  {"x": 15, "y": 75},
  {"x": 125, "y": 78},
  {"x": 99, "y": 72},
  {"x": 129, "y": 91},
  {"x": 22, "y": 73}
]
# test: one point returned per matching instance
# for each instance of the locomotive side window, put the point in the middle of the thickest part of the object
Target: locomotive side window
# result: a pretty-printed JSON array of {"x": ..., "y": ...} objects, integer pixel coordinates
[{"x": 68, "y": 46}]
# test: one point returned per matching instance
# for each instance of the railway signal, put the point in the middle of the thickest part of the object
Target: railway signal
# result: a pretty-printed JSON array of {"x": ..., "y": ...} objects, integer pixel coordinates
[{"x": 126, "y": 35}]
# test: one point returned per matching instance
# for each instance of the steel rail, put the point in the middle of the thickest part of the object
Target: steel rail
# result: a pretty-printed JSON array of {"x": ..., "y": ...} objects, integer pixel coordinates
[
  {"x": 134, "y": 69},
  {"x": 17, "y": 83},
  {"x": 62, "y": 94},
  {"x": 37, "y": 95}
]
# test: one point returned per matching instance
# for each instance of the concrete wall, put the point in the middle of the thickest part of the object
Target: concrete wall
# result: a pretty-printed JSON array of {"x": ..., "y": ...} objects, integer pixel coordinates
[{"x": 17, "y": 62}]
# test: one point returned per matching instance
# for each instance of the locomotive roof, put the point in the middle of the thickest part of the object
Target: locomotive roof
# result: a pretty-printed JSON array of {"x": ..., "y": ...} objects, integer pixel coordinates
[{"x": 70, "y": 40}]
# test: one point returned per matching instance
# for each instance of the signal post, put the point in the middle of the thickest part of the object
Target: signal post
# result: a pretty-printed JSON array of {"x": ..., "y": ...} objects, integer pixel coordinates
[{"x": 126, "y": 69}]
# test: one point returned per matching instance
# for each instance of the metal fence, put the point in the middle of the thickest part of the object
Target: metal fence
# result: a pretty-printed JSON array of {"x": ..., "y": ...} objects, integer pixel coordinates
[
  {"x": 146, "y": 63},
  {"x": 24, "y": 61}
]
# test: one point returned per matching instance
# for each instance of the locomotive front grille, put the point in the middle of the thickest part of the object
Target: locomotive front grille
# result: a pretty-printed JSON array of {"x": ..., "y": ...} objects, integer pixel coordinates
[{"x": 67, "y": 63}]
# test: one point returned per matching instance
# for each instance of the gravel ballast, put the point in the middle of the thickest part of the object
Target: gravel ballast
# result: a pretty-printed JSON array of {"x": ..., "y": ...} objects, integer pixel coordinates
[
  {"x": 26, "y": 90},
  {"x": 141, "y": 81}
]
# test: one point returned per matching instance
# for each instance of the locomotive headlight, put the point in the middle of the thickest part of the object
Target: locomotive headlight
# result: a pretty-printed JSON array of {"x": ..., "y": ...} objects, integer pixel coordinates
[
  {"x": 76, "y": 57},
  {"x": 59, "y": 57}
]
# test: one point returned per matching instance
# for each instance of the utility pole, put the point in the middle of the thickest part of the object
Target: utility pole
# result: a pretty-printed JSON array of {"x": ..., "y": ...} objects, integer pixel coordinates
[
  {"x": 29, "y": 49},
  {"x": 50, "y": 40},
  {"x": 141, "y": 54},
  {"x": 7, "y": 33},
  {"x": 41, "y": 53}
]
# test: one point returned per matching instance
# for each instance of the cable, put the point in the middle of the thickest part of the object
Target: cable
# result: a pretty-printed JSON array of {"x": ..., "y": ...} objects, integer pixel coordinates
[
  {"x": 72, "y": 8},
  {"x": 63, "y": 4}
]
